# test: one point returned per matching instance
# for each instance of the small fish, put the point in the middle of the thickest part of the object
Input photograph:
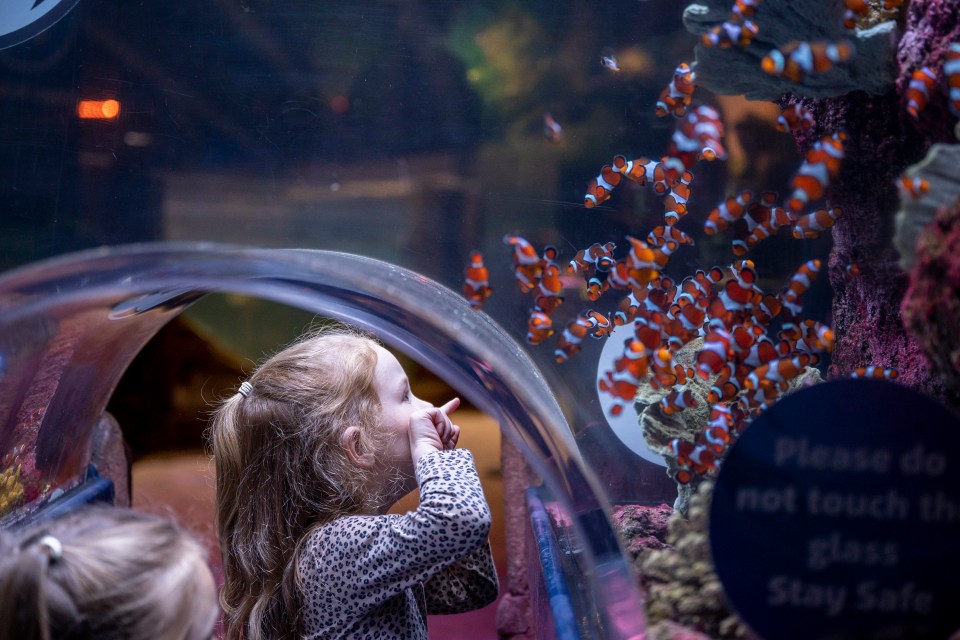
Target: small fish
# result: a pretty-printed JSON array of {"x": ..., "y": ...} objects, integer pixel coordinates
[
  {"x": 811, "y": 224},
  {"x": 552, "y": 129},
  {"x": 547, "y": 296},
  {"x": 795, "y": 118},
  {"x": 951, "y": 72},
  {"x": 476, "y": 281},
  {"x": 731, "y": 33},
  {"x": 922, "y": 83},
  {"x": 527, "y": 266},
  {"x": 677, "y": 400},
  {"x": 851, "y": 271},
  {"x": 776, "y": 373},
  {"x": 698, "y": 135},
  {"x": 600, "y": 188},
  {"x": 676, "y": 96},
  {"x": 539, "y": 327},
  {"x": 714, "y": 353},
  {"x": 874, "y": 372},
  {"x": 745, "y": 8},
  {"x": 569, "y": 341},
  {"x": 821, "y": 164},
  {"x": 610, "y": 62},
  {"x": 797, "y": 59},
  {"x": 727, "y": 212},
  {"x": 854, "y": 10},
  {"x": 915, "y": 187}
]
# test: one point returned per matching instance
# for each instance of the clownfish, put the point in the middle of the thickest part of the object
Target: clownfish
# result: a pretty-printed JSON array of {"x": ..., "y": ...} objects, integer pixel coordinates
[
  {"x": 915, "y": 187},
  {"x": 547, "y": 297},
  {"x": 714, "y": 353},
  {"x": 797, "y": 59},
  {"x": 820, "y": 165},
  {"x": 795, "y": 118},
  {"x": 727, "y": 212},
  {"x": 777, "y": 372},
  {"x": 763, "y": 219},
  {"x": 800, "y": 281},
  {"x": 855, "y": 9},
  {"x": 568, "y": 342},
  {"x": 600, "y": 188},
  {"x": 718, "y": 432},
  {"x": 922, "y": 83},
  {"x": 745, "y": 8},
  {"x": 552, "y": 129},
  {"x": 676, "y": 96},
  {"x": 874, "y": 372},
  {"x": 811, "y": 224},
  {"x": 527, "y": 266},
  {"x": 698, "y": 135},
  {"x": 951, "y": 72},
  {"x": 851, "y": 271},
  {"x": 476, "y": 281},
  {"x": 676, "y": 401},
  {"x": 539, "y": 327},
  {"x": 738, "y": 32}
]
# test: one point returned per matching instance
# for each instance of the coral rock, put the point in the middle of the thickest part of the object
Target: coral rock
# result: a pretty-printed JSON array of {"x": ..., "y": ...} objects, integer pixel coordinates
[
  {"x": 939, "y": 169},
  {"x": 737, "y": 71}
]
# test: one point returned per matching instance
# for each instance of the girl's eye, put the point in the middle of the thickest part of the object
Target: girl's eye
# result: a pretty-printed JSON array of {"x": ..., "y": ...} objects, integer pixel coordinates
[{"x": 406, "y": 395}]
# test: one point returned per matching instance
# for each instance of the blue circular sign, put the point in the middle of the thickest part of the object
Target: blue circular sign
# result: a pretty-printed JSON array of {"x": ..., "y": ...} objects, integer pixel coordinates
[
  {"x": 837, "y": 515},
  {"x": 21, "y": 20}
]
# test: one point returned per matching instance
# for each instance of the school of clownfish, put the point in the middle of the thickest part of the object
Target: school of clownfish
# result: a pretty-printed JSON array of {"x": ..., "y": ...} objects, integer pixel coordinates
[{"x": 754, "y": 342}]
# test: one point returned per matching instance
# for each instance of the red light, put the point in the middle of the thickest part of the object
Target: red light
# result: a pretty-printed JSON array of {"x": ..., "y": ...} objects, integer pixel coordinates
[{"x": 98, "y": 109}]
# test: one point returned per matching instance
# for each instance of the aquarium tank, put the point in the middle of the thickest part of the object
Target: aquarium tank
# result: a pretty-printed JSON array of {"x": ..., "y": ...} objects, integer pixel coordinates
[{"x": 623, "y": 231}]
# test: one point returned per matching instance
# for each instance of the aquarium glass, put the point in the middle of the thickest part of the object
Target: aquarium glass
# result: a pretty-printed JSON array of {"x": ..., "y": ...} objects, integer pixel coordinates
[{"x": 411, "y": 133}]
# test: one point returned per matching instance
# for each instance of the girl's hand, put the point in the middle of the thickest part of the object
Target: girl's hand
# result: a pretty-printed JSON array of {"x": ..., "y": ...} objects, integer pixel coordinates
[{"x": 431, "y": 430}]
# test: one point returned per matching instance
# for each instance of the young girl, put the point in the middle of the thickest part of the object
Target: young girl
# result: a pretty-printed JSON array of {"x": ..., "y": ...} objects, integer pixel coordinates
[
  {"x": 310, "y": 454},
  {"x": 105, "y": 572}
]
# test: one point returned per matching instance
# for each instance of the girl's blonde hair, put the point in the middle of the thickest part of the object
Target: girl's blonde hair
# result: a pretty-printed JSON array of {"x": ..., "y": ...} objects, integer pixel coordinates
[
  {"x": 108, "y": 572},
  {"x": 282, "y": 470}
]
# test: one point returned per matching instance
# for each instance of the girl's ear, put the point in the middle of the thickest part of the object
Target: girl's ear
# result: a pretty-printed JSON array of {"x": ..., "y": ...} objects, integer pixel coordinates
[{"x": 350, "y": 440}]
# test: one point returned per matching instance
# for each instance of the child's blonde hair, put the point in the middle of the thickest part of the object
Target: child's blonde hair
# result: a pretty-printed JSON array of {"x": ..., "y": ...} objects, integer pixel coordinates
[
  {"x": 282, "y": 470},
  {"x": 104, "y": 572}
]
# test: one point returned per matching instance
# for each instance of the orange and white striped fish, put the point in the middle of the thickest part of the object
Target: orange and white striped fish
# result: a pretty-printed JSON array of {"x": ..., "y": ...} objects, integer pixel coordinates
[
  {"x": 476, "y": 281},
  {"x": 569, "y": 341},
  {"x": 854, "y": 10},
  {"x": 951, "y": 73},
  {"x": 735, "y": 32},
  {"x": 676, "y": 96},
  {"x": 600, "y": 188},
  {"x": 527, "y": 265},
  {"x": 922, "y": 83},
  {"x": 915, "y": 187},
  {"x": 677, "y": 400},
  {"x": 795, "y": 118},
  {"x": 820, "y": 165},
  {"x": 811, "y": 224},
  {"x": 777, "y": 372},
  {"x": 797, "y": 59},
  {"x": 727, "y": 212},
  {"x": 745, "y": 8},
  {"x": 539, "y": 327},
  {"x": 698, "y": 135},
  {"x": 874, "y": 372}
]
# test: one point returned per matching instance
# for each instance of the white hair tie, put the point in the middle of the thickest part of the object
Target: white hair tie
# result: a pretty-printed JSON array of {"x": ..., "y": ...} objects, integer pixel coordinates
[
  {"x": 51, "y": 543},
  {"x": 245, "y": 389}
]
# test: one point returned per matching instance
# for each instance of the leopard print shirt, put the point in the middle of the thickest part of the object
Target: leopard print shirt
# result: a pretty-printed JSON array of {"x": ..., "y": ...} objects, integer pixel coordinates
[{"x": 378, "y": 577}]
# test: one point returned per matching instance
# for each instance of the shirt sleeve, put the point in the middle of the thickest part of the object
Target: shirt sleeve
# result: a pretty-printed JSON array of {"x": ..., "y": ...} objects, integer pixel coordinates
[
  {"x": 465, "y": 585},
  {"x": 357, "y": 562}
]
